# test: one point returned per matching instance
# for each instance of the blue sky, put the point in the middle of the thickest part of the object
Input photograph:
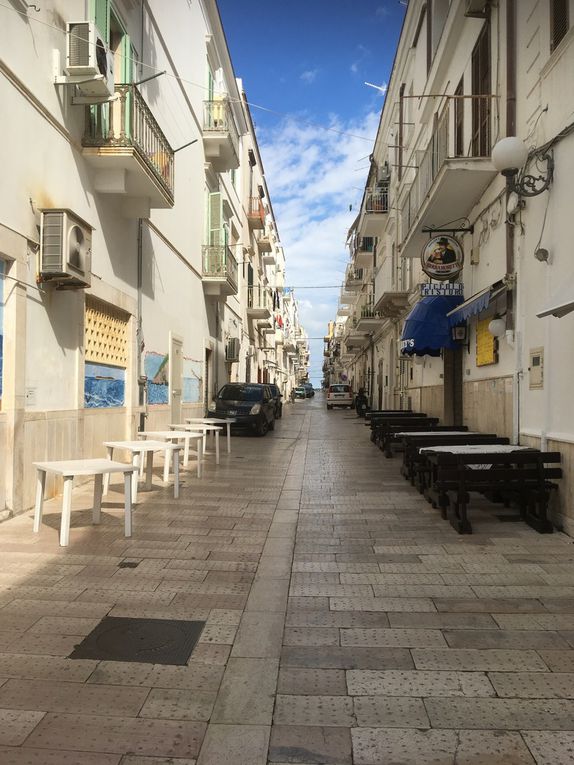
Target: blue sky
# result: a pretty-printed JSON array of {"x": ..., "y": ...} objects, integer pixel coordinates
[{"x": 307, "y": 61}]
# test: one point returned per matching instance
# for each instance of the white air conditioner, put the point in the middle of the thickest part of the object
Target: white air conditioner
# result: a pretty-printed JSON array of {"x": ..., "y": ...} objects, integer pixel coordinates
[
  {"x": 89, "y": 62},
  {"x": 65, "y": 249},
  {"x": 476, "y": 8},
  {"x": 232, "y": 349}
]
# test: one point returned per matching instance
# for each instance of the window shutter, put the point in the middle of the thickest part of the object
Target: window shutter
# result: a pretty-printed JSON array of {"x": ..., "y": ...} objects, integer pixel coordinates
[
  {"x": 215, "y": 219},
  {"x": 559, "y": 22},
  {"x": 102, "y": 17}
]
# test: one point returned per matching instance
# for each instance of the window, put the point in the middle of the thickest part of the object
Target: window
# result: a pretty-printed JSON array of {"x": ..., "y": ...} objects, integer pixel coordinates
[
  {"x": 459, "y": 121},
  {"x": 559, "y": 21},
  {"x": 481, "y": 87}
]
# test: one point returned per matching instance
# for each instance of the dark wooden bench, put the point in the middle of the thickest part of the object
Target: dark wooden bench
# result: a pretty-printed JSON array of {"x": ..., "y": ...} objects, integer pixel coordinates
[
  {"x": 378, "y": 424},
  {"x": 415, "y": 467},
  {"x": 522, "y": 477}
]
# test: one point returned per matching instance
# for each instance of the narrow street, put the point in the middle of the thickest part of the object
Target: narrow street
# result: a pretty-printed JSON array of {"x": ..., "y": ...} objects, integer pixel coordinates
[{"x": 345, "y": 621}]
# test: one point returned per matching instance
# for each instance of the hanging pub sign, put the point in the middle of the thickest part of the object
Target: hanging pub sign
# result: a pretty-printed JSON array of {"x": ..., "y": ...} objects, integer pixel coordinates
[{"x": 442, "y": 258}]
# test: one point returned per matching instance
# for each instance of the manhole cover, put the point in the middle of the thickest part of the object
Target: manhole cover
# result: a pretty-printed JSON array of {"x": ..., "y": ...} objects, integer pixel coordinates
[{"x": 150, "y": 641}]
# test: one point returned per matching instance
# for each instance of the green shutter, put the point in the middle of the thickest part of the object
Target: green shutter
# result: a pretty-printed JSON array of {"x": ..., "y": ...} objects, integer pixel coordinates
[
  {"x": 216, "y": 236},
  {"x": 101, "y": 15},
  {"x": 210, "y": 86}
]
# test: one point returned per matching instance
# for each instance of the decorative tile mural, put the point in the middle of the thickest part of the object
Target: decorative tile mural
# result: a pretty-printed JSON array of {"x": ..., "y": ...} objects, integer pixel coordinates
[
  {"x": 191, "y": 393},
  {"x": 156, "y": 368},
  {"x": 104, "y": 386}
]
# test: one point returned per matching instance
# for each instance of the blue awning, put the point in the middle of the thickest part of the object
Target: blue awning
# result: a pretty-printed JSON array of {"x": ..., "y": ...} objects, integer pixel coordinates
[
  {"x": 427, "y": 329},
  {"x": 475, "y": 304}
]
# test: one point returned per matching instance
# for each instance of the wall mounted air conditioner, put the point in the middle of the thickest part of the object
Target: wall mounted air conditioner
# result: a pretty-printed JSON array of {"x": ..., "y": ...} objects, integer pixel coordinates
[
  {"x": 232, "y": 349},
  {"x": 89, "y": 62},
  {"x": 65, "y": 249},
  {"x": 476, "y": 8}
]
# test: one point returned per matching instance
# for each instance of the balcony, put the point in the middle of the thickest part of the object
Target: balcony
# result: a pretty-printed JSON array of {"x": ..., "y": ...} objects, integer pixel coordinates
[
  {"x": 279, "y": 337},
  {"x": 353, "y": 278},
  {"x": 363, "y": 252},
  {"x": 256, "y": 213},
  {"x": 220, "y": 136},
  {"x": 264, "y": 244},
  {"x": 219, "y": 271},
  {"x": 453, "y": 172},
  {"x": 392, "y": 300},
  {"x": 368, "y": 320},
  {"x": 130, "y": 153},
  {"x": 258, "y": 302},
  {"x": 376, "y": 210}
]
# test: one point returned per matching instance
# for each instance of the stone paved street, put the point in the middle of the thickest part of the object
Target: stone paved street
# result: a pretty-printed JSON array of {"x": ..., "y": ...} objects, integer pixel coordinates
[{"x": 346, "y": 623}]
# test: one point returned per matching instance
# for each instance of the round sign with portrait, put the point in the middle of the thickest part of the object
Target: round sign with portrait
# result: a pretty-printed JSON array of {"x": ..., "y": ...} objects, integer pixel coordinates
[{"x": 442, "y": 258}]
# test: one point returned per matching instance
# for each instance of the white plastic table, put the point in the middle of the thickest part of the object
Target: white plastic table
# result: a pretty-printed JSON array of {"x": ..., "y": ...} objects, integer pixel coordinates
[
  {"x": 205, "y": 429},
  {"x": 69, "y": 469},
  {"x": 137, "y": 450},
  {"x": 476, "y": 449},
  {"x": 174, "y": 436},
  {"x": 216, "y": 421}
]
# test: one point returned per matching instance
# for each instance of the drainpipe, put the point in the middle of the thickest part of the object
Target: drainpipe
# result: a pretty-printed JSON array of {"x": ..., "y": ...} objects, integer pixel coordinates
[
  {"x": 511, "y": 272},
  {"x": 142, "y": 379}
]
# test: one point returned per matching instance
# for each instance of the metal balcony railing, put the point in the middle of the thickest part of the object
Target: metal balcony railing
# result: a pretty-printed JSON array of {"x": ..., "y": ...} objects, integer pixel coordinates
[
  {"x": 219, "y": 263},
  {"x": 366, "y": 244},
  {"x": 377, "y": 200},
  {"x": 448, "y": 141},
  {"x": 129, "y": 122},
  {"x": 218, "y": 118},
  {"x": 258, "y": 297}
]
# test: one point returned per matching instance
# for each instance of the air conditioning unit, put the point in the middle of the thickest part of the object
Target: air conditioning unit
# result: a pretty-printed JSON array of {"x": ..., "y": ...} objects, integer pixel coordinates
[
  {"x": 89, "y": 62},
  {"x": 476, "y": 8},
  {"x": 232, "y": 349},
  {"x": 65, "y": 249}
]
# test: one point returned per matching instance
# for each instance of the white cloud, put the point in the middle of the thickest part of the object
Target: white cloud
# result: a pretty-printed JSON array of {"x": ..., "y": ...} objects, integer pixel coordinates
[
  {"x": 309, "y": 75},
  {"x": 312, "y": 178},
  {"x": 382, "y": 11}
]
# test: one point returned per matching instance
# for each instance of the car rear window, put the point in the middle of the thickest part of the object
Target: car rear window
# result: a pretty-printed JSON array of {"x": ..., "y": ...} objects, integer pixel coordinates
[
  {"x": 340, "y": 389},
  {"x": 240, "y": 393}
]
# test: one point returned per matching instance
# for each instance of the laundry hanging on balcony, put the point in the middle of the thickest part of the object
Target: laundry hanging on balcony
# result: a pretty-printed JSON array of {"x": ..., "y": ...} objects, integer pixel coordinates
[{"x": 427, "y": 330}]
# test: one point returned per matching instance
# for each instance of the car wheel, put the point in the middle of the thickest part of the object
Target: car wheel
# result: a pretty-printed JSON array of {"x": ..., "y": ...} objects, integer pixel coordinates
[{"x": 262, "y": 427}]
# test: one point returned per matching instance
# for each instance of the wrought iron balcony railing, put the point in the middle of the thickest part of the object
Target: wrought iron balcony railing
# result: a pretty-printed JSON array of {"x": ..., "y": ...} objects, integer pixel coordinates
[
  {"x": 129, "y": 122},
  {"x": 219, "y": 263}
]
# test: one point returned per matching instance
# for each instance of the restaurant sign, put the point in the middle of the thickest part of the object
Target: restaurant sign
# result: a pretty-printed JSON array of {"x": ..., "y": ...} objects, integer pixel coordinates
[
  {"x": 444, "y": 288},
  {"x": 442, "y": 258}
]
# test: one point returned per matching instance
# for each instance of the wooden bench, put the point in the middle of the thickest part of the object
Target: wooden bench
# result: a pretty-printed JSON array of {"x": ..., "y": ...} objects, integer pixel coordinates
[
  {"x": 378, "y": 424},
  {"x": 523, "y": 477}
]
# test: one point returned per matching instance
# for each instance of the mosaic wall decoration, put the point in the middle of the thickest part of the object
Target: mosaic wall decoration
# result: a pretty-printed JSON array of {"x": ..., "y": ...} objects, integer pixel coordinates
[
  {"x": 156, "y": 368},
  {"x": 104, "y": 386}
]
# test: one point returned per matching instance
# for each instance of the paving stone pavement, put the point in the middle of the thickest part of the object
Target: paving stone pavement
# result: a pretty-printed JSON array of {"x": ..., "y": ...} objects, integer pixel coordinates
[{"x": 345, "y": 622}]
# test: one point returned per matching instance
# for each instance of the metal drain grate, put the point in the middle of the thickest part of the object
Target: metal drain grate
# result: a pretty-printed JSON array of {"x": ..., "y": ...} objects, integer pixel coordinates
[{"x": 149, "y": 641}]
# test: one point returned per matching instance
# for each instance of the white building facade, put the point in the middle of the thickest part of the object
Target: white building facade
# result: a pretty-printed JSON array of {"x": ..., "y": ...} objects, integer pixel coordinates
[
  {"x": 466, "y": 75},
  {"x": 140, "y": 260}
]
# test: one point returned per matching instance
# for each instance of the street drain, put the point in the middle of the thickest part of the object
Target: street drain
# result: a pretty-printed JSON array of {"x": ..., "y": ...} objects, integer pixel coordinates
[
  {"x": 149, "y": 641},
  {"x": 129, "y": 564}
]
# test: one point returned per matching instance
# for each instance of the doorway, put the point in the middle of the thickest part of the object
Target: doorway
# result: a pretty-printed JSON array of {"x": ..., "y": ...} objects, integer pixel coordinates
[
  {"x": 207, "y": 378},
  {"x": 453, "y": 402}
]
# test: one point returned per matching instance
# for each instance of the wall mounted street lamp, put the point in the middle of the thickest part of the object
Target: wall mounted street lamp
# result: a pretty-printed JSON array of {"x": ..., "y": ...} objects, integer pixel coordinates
[
  {"x": 497, "y": 327},
  {"x": 511, "y": 158}
]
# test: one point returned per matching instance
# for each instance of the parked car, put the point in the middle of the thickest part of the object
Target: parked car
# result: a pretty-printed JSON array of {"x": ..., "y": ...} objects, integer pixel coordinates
[
  {"x": 339, "y": 394},
  {"x": 250, "y": 404},
  {"x": 300, "y": 392},
  {"x": 309, "y": 390},
  {"x": 277, "y": 396}
]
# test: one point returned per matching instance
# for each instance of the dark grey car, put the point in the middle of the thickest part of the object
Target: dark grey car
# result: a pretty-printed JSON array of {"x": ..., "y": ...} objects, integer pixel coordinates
[{"x": 251, "y": 405}]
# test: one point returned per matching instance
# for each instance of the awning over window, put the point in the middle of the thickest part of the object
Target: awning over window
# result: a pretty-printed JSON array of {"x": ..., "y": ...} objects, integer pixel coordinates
[
  {"x": 427, "y": 329},
  {"x": 475, "y": 304},
  {"x": 561, "y": 302}
]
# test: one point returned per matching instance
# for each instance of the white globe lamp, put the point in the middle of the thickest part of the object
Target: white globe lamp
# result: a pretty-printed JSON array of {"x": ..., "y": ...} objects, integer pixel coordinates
[
  {"x": 509, "y": 155},
  {"x": 497, "y": 327}
]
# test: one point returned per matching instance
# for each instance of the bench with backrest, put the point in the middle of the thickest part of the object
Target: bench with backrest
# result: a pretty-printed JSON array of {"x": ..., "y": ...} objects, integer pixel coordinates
[
  {"x": 378, "y": 424},
  {"x": 522, "y": 477},
  {"x": 416, "y": 468},
  {"x": 383, "y": 412}
]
